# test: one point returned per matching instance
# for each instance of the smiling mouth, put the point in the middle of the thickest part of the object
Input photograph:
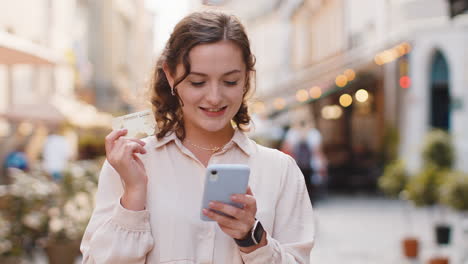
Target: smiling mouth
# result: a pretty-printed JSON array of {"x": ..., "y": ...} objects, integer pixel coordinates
[{"x": 213, "y": 110}]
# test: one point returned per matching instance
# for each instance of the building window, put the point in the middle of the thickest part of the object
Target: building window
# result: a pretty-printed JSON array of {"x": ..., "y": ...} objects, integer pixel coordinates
[
  {"x": 458, "y": 7},
  {"x": 440, "y": 93}
]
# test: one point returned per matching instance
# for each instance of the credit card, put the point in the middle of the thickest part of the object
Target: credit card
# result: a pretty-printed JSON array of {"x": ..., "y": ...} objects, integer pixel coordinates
[{"x": 139, "y": 124}]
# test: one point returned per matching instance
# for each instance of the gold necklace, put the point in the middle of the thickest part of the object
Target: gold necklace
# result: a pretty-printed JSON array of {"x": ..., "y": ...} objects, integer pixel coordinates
[{"x": 213, "y": 150}]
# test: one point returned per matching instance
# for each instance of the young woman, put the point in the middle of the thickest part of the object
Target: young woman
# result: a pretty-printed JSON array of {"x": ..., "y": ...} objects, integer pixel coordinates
[{"x": 150, "y": 190}]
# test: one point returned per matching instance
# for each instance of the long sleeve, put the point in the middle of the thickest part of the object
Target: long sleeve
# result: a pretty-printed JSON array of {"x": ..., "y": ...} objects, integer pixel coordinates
[
  {"x": 292, "y": 238},
  {"x": 115, "y": 234}
]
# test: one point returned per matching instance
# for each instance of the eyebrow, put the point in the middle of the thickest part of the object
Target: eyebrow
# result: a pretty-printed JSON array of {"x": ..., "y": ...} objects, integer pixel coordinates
[{"x": 203, "y": 74}]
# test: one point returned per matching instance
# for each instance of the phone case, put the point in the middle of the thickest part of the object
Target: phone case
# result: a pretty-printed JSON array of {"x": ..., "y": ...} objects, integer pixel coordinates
[{"x": 222, "y": 181}]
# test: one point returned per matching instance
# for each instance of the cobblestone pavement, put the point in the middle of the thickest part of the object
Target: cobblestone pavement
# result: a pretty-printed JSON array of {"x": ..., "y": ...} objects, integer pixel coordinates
[{"x": 368, "y": 230}]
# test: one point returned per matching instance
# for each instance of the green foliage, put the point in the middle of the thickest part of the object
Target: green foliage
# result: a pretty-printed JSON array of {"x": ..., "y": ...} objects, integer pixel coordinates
[
  {"x": 438, "y": 149},
  {"x": 391, "y": 141},
  {"x": 394, "y": 178},
  {"x": 36, "y": 211},
  {"x": 454, "y": 191},
  {"x": 423, "y": 189}
]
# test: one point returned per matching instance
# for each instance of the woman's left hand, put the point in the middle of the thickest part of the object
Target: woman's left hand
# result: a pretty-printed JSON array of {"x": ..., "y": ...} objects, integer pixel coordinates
[{"x": 242, "y": 220}]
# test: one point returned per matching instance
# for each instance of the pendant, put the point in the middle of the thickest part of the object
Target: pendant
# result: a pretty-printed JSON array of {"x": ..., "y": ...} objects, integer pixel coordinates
[{"x": 215, "y": 149}]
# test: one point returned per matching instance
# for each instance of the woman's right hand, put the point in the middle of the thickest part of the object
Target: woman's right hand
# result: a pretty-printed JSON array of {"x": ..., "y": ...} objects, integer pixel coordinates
[{"x": 121, "y": 154}]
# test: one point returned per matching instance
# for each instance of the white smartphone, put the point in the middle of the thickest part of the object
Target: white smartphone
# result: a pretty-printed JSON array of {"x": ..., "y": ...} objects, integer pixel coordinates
[{"x": 222, "y": 181}]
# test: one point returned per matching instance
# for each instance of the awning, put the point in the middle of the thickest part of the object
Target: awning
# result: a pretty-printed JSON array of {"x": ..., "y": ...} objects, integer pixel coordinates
[
  {"x": 81, "y": 114},
  {"x": 60, "y": 109},
  {"x": 15, "y": 50},
  {"x": 323, "y": 75},
  {"x": 43, "y": 112}
]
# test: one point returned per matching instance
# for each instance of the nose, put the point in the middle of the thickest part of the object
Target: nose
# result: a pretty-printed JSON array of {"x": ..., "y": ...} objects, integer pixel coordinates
[{"x": 214, "y": 95}]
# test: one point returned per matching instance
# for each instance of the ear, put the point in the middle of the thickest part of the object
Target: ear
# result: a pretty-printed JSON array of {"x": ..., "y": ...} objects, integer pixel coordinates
[{"x": 168, "y": 74}]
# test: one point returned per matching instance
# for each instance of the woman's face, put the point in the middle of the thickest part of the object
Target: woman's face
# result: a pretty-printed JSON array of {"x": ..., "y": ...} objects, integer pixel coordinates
[{"x": 213, "y": 91}]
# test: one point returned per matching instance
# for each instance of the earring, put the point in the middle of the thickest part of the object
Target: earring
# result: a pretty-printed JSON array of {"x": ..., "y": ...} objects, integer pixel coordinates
[{"x": 172, "y": 91}]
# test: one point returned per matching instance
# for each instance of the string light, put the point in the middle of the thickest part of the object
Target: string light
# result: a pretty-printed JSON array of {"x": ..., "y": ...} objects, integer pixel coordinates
[
  {"x": 331, "y": 112},
  {"x": 279, "y": 103},
  {"x": 341, "y": 81},
  {"x": 346, "y": 100},
  {"x": 350, "y": 74},
  {"x": 302, "y": 95},
  {"x": 392, "y": 54},
  {"x": 362, "y": 95},
  {"x": 315, "y": 92}
]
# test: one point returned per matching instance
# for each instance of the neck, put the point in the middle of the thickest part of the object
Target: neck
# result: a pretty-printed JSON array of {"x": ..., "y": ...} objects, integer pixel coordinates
[{"x": 209, "y": 139}]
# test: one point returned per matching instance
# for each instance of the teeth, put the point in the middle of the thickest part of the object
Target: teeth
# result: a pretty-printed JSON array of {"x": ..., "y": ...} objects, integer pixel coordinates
[{"x": 213, "y": 109}]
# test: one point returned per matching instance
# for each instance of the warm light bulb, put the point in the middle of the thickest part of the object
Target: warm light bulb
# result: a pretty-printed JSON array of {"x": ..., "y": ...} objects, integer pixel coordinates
[
  {"x": 302, "y": 95},
  {"x": 362, "y": 95},
  {"x": 341, "y": 81},
  {"x": 350, "y": 74},
  {"x": 346, "y": 100},
  {"x": 279, "y": 103},
  {"x": 315, "y": 92}
]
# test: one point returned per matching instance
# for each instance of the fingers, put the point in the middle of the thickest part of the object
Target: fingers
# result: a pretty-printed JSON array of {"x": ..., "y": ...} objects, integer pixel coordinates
[
  {"x": 249, "y": 191},
  {"x": 140, "y": 142},
  {"x": 229, "y": 210},
  {"x": 112, "y": 137},
  {"x": 116, "y": 135},
  {"x": 232, "y": 226},
  {"x": 247, "y": 199},
  {"x": 123, "y": 150},
  {"x": 130, "y": 147}
]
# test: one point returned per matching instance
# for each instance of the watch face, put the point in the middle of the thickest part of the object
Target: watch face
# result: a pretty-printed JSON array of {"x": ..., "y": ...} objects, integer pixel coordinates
[{"x": 258, "y": 232}]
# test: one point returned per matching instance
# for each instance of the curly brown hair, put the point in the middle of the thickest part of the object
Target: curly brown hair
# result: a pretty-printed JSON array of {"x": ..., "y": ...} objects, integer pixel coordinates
[{"x": 195, "y": 29}]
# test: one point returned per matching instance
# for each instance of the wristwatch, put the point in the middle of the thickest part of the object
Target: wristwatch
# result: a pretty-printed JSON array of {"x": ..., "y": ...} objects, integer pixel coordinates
[{"x": 253, "y": 237}]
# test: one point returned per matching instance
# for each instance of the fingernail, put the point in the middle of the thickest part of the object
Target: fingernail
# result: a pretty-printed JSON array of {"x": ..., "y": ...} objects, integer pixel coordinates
[
  {"x": 205, "y": 211},
  {"x": 211, "y": 204},
  {"x": 234, "y": 197}
]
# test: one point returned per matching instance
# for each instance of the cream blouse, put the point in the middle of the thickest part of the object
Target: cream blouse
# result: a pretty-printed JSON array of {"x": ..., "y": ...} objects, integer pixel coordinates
[{"x": 170, "y": 229}]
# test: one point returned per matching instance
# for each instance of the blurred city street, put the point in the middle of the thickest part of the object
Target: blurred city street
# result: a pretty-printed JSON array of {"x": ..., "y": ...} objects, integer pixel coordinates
[
  {"x": 368, "y": 96},
  {"x": 367, "y": 229}
]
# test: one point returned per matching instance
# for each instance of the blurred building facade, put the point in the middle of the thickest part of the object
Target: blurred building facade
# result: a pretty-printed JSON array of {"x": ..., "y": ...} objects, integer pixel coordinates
[
  {"x": 437, "y": 97},
  {"x": 120, "y": 50},
  {"x": 359, "y": 69},
  {"x": 34, "y": 67},
  {"x": 59, "y": 59}
]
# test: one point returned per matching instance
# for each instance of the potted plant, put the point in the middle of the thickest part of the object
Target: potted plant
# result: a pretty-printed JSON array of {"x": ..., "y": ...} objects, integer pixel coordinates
[
  {"x": 423, "y": 189},
  {"x": 392, "y": 183},
  {"x": 438, "y": 151},
  {"x": 454, "y": 193}
]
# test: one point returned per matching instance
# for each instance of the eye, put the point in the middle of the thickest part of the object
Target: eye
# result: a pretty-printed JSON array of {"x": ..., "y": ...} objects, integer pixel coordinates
[
  {"x": 197, "y": 84},
  {"x": 230, "y": 83}
]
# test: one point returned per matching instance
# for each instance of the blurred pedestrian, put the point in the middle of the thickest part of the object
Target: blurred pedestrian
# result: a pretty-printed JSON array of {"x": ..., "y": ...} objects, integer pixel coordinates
[
  {"x": 17, "y": 159},
  {"x": 150, "y": 190},
  {"x": 304, "y": 143},
  {"x": 56, "y": 154}
]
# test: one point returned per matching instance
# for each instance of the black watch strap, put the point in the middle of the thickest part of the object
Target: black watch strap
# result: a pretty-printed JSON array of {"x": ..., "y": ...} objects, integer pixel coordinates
[{"x": 253, "y": 237}]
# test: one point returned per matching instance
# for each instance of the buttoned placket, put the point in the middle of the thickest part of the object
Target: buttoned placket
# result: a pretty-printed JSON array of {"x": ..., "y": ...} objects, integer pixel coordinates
[{"x": 207, "y": 237}]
